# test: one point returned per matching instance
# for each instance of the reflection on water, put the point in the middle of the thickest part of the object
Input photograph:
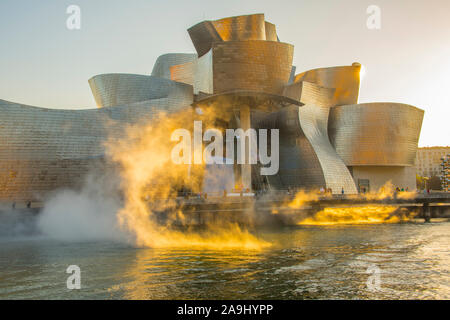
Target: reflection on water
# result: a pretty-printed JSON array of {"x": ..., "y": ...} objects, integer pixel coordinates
[
  {"x": 357, "y": 215},
  {"x": 305, "y": 262}
]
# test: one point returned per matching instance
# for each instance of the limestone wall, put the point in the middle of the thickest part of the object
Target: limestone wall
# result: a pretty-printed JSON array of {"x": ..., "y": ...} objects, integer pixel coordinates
[{"x": 378, "y": 176}]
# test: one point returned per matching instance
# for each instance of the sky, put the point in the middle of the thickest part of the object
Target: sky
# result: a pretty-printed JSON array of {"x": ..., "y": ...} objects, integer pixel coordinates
[{"x": 43, "y": 63}]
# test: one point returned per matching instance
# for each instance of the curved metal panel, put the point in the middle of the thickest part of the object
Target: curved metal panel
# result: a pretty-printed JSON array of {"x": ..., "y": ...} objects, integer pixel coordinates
[
  {"x": 376, "y": 133},
  {"x": 165, "y": 62},
  {"x": 184, "y": 73},
  {"x": 271, "y": 32},
  {"x": 314, "y": 123},
  {"x": 203, "y": 81},
  {"x": 299, "y": 165},
  {"x": 239, "y": 28},
  {"x": 198, "y": 73},
  {"x": 344, "y": 79},
  {"x": 263, "y": 66},
  {"x": 120, "y": 89},
  {"x": 42, "y": 150},
  {"x": 203, "y": 35},
  {"x": 307, "y": 158}
]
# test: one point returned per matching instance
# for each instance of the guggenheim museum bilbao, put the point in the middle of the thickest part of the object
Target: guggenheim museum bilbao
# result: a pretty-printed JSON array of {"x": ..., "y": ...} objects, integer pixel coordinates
[{"x": 327, "y": 139}]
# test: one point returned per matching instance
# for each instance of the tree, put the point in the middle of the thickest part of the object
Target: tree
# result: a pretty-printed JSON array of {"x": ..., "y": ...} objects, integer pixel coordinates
[{"x": 420, "y": 182}]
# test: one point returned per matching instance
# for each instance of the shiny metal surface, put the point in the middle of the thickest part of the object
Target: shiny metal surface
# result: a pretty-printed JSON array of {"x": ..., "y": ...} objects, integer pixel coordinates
[
  {"x": 376, "y": 133},
  {"x": 42, "y": 150},
  {"x": 299, "y": 165},
  {"x": 263, "y": 66},
  {"x": 307, "y": 158},
  {"x": 314, "y": 123},
  {"x": 241, "y": 60},
  {"x": 121, "y": 89},
  {"x": 198, "y": 73},
  {"x": 185, "y": 72},
  {"x": 271, "y": 32},
  {"x": 239, "y": 28},
  {"x": 164, "y": 63},
  {"x": 344, "y": 79}
]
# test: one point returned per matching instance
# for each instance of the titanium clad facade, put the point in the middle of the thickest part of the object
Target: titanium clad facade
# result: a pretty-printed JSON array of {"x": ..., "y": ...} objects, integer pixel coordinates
[
  {"x": 242, "y": 69},
  {"x": 344, "y": 79},
  {"x": 307, "y": 158},
  {"x": 271, "y": 32},
  {"x": 263, "y": 66},
  {"x": 198, "y": 73},
  {"x": 239, "y": 28},
  {"x": 203, "y": 35},
  {"x": 376, "y": 134},
  {"x": 184, "y": 73},
  {"x": 164, "y": 63},
  {"x": 47, "y": 149},
  {"x": 299, "y": 165},
  {"x": 203, "y": 80},
  {"x": 314, "y": 123},
  {"x": 122, "y": 89},
  {"x": 304, "y": 138}
]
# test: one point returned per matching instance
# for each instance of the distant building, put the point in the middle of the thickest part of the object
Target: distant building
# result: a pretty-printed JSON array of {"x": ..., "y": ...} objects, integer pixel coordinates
[
  {"x": 445, "y": 168},
  {"x": 429, "y": 159}
]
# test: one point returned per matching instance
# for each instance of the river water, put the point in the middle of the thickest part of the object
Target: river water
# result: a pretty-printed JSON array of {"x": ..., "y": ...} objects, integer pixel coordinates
[{"x": 399, "y": 261}]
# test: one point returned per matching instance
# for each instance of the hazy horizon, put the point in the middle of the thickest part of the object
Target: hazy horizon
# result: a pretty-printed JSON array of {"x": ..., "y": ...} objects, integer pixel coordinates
[{"x": 44, "y": 64}]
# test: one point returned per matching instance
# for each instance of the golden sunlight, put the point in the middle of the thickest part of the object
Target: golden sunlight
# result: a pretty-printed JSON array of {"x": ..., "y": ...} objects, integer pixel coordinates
[{"x": 150, "y": 181}]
